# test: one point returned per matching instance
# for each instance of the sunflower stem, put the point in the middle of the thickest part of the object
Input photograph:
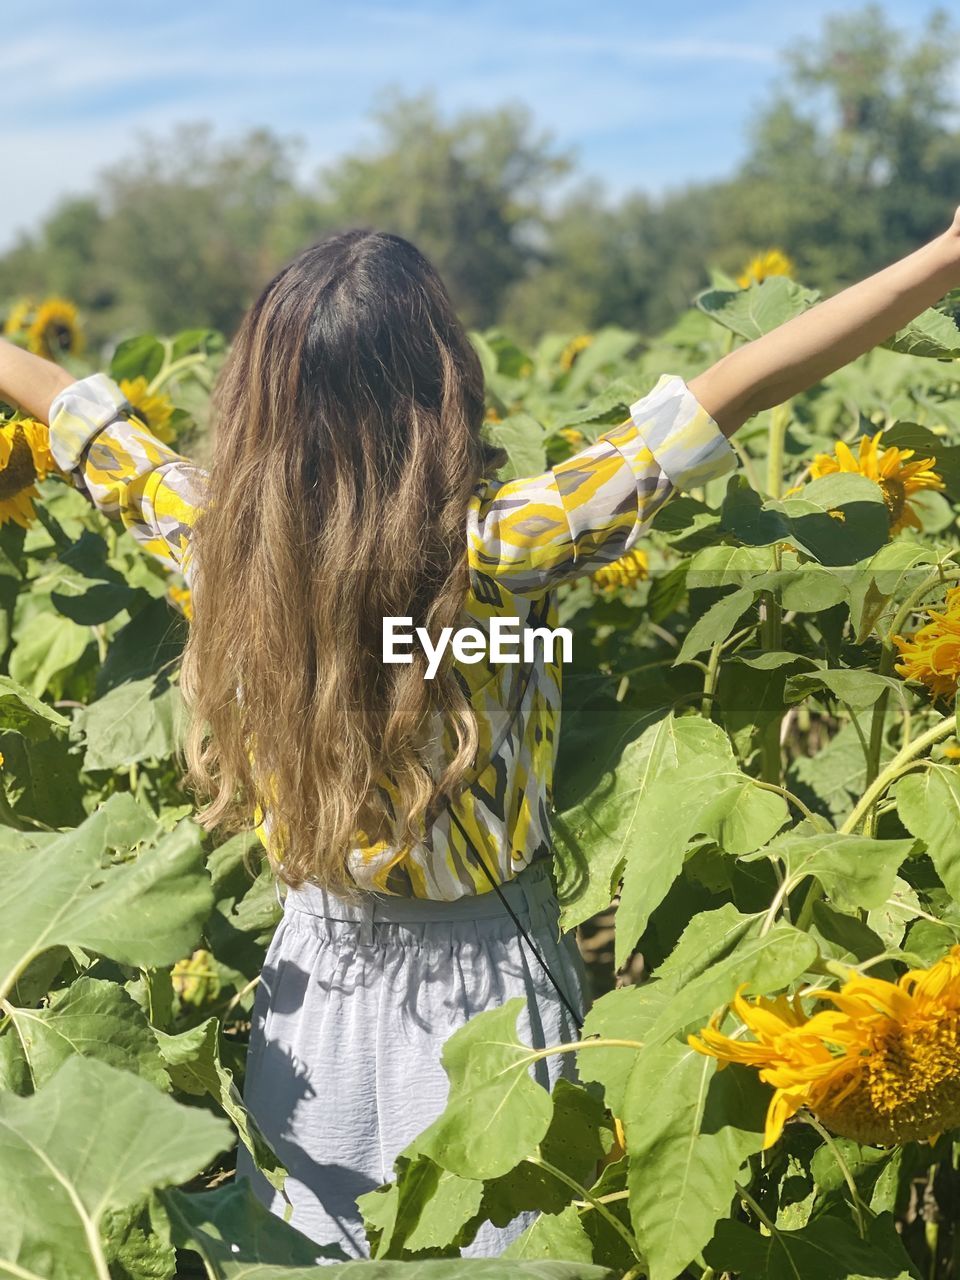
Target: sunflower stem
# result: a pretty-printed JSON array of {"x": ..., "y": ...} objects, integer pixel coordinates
[
  {"x": 858, "y": 1206},
  {"x": 176, "y": 366},
  {"x": 900, "y": 763},
  {"x": 627, "y": 1236},
  {"x": 761, "y": 1213}
]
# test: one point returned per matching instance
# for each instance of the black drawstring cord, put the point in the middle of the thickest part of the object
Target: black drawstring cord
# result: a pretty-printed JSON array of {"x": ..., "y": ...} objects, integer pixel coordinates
[
  {"x": 568, "y": 1005},
  {"x": 578, "y": 1020}
]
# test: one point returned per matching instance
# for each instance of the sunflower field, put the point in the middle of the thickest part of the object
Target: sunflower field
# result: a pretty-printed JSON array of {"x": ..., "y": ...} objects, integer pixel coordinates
[{"x": 759, "y": 762}]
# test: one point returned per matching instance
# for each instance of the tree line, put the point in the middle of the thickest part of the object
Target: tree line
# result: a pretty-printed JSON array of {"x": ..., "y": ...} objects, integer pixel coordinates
[{"x": 853, "y": 161}]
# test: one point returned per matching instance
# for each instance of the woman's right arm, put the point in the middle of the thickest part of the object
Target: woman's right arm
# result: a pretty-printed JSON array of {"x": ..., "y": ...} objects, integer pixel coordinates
[{"x": 811, "y": 346}]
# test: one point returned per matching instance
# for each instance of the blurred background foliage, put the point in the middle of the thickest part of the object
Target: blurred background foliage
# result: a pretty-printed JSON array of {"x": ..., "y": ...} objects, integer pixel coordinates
[{"x": 852, "y": 163}]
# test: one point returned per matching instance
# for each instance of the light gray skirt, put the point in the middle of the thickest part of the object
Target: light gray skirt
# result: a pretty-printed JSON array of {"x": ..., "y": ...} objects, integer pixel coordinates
[{"x": 355, "y": 1003}]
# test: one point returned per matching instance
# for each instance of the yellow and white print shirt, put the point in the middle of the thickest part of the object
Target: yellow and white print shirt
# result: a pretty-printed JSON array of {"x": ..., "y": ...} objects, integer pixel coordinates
[{"x": 524, "y": 538}]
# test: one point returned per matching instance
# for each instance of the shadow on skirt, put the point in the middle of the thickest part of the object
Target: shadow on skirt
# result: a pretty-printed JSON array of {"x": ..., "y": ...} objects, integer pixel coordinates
[{"x": 355, "y": 1003}]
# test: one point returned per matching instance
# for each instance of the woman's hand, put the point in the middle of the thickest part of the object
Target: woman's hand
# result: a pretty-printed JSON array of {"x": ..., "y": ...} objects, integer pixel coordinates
[
  {"x": 30, "y": 381},
  {"x": 808, "y": 348}
]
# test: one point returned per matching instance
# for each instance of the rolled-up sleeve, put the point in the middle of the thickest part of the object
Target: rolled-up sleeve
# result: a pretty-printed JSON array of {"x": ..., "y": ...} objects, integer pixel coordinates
[
  {"x": 128, "y": 473},
  {"x": 531, "y": 533}
]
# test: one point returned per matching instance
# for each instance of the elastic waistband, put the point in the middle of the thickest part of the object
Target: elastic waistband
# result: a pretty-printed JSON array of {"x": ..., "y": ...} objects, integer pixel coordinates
[{"x": 531, "y": 888}]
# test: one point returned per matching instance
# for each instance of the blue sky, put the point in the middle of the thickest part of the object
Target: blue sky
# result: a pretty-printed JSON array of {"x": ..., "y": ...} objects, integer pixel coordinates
[{"x": 649, "y": 95}]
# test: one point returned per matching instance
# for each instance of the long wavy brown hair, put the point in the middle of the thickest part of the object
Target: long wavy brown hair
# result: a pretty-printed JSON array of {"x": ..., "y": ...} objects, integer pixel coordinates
[{"x": 347, "y": 442}]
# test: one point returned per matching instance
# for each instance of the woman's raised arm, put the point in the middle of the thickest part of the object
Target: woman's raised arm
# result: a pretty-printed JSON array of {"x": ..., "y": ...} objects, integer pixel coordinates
[
  {"x": 798, "y": 354},
  {"x": 95, "y": 438},
  {"x": 30, "y": 381}
]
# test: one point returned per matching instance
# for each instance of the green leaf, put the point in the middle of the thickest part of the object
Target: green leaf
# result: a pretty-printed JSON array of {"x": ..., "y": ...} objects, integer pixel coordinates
[
  {"x": 736, "y": 953},
  {"x": 146, "y": 912},
  {"x": 716, "y": 624},
  {"x": 689, "y": 1128},
  {"x": 931, "y": 334},
  {"x": 137, "y": 357},
  {"x": 626, "y": 1013},
  {"x": 524, "y": 440},
  {"x": 595, "y": 836},
  {"x": 860, "y": 689},
  {"x": 609, "y": 408},
  {"x": 193, "y": 1063},
  {"x": 696, "y": 799},
  {"x": 22, "y": 713},
  {"x": 752, "y": 312},
  {"x": 141, "y": 720},
  {"x": 92, "y": 1140},
  {"x": 554, "y": 1236},
  {"x": 94, "y": 1019},
  {"x": 855, "y": 871},
  {"x": 838, "y": 519},
  {"x": 48, "y": 647},
  {"x": 826, "y": 1248},
  {"x": 496, "y": 1113},
  {"x": 608, "y": 350},
  {"x": 929, "y": 807},
  {"x": 896, "y": 568},
  {"x": 239, "y": 1239}
]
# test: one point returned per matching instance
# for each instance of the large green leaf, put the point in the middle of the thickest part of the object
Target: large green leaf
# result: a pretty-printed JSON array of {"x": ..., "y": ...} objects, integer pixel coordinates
[
  {"x": 22, "y": 713},
  {"x": 559, "y": 1235},
  {"x": 192, "y": 1060},
  {"x": 235, "y": 1233},
  {"x": 688, "y": 1128},
  {"x": 931, "y": 334},
  {"x": 524, "y": 441},
  {"x": 827, "y": 1248},
  {"x": 238, "y": 1240},
  {"x": 95, "y": 1019},
  {"x": 145, "y": 912},
  {"x": 836, "y": 519},
  {"x": 140, "y": 720},
  {"x": 48, "y": 647},
  {"x": 855, "y": 871},
  {"x": 752, "y": 312},
  {"x": 496, "y": 1113},
  {"x": 736, "y": 952},
  {"x": 596, "y": 836},
  {"x": 694, "y": 800},
  {"x": 929, "y": 807},
  {"x": 92, "y": 1140}
]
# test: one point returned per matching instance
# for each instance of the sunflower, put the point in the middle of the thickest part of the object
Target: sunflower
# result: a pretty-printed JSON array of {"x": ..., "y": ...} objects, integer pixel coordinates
[
  {"x": 630, "y": 569},
  {"x": 182, "y": 599},
  {"x": 196, "y": 979},
  {"x": 574, "y": 438},
  {"x": 25, "y": 458},
  {"x": 18, "y": 317},
  {"x": 54, "y": 329},
  {"x": 573, "y": 349},
  {"x": 772, "y": 263},
  {"x": 932, "y": 654},
  {"x": 881, "y": 1067},
  {"x": 153, "y": 408},
  {"x": 899, "y": 478}
]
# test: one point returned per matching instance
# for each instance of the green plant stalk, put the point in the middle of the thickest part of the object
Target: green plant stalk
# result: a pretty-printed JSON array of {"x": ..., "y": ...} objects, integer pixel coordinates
[
  {"x": 169, "y": 371},
  {"x": 776, "y": 439},
  {"x": 612, "y": 1221},
  {"x": 771, "y": 628},
  {"x": 900, "y": 764},
  {"x": 858, "y": 1205},
  {"x": 771, "y": 638}
]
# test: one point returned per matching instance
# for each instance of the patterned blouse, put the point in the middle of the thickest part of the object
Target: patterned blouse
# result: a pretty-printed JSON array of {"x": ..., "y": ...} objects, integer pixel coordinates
[{"x": 525, "y": 537}]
